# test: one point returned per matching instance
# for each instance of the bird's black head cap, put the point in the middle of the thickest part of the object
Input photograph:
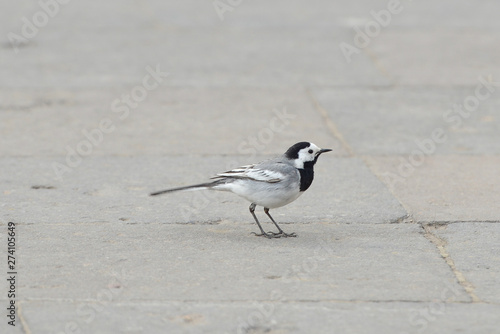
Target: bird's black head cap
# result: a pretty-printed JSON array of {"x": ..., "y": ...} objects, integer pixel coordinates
[{"x": 293, "y": 152}]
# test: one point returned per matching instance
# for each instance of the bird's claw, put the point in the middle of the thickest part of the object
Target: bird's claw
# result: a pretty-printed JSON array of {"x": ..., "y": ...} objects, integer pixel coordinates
[
  {"x": 271, "y": 235},
  {"x": 287, "y": 235},
  {"x": 268, "y": 235}
]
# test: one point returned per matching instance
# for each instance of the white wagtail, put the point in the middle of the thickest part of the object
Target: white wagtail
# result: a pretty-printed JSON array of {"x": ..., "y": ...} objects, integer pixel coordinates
[{"x": 272, "y": 183}]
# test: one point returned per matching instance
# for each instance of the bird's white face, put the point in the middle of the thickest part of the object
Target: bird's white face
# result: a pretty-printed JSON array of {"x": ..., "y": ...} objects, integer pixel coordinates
[{"x": 307, "y": 154}]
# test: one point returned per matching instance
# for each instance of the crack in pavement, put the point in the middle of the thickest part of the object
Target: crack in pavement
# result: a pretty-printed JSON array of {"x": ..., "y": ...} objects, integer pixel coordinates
[
  {"x": 330, "y": 124},
  {"x": 242, "y": 301},
  {"x": 441, "y": 246},
  {"x": 24, "y": 324}
]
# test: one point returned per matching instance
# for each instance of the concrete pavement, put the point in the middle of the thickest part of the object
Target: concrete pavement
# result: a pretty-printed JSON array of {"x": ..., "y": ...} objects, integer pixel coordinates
[{"x": 102, "y": 103}]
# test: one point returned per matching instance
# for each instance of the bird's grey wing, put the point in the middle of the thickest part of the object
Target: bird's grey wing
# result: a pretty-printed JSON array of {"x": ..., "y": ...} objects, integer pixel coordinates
[{"x": 271, "y": 172}]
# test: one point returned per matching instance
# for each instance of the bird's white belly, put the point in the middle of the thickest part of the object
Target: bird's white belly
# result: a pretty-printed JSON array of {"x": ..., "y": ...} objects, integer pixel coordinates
[{"x": 269, "y": 195}]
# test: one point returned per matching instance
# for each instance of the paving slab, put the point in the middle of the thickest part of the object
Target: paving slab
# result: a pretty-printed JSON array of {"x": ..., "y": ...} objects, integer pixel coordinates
[
  {"x": 282, "y": 318},
  {"x": 400, "y": 120},
  {"x": 428, "y": 15},
  {"x": 279, "y": 13},
  {"x": 187, "y": 39},
  {"x": 168, "y": 121},
  {"x": 319, "y": 13},
  {"x": 441, "y": 57},
  {"x": 223, "y": 262},
  {"x": 111, "y": 189},
  {"x": 444, "y": 188},
  {"x": 251, "y": 58},
  {"x": 475, "y": 250}
]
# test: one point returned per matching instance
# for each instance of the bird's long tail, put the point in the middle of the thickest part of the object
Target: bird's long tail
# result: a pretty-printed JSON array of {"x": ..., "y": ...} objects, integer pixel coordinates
[{"x": 200, "y": 186}]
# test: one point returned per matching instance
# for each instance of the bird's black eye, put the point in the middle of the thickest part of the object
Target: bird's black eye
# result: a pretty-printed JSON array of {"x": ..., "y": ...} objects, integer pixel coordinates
[{"x": 311, "y": 151}]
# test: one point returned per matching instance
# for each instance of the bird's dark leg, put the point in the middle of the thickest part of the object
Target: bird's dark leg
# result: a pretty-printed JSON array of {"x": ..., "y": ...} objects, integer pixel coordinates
[
  {"x": 281, "y": 233},
  {"x": 262, "y": 234}
]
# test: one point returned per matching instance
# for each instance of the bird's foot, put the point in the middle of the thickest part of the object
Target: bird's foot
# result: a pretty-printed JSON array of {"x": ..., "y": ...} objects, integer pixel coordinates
[
  {"x": 268, "y": 235},
  {"x": 271, "y": 235},
  {"x": 286, "y": 235}
]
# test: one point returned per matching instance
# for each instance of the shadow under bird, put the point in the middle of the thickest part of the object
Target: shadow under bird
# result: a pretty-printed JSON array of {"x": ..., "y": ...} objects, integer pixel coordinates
[{"x": 271, "y": 184}]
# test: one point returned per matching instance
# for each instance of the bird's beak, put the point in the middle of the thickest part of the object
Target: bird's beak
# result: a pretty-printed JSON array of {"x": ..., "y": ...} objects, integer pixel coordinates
[{"x": 323, "y": 150}]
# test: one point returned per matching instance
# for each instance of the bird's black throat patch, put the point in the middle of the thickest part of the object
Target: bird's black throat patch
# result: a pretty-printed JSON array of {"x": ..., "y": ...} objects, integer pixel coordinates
[{"x": 307, "y": 174}]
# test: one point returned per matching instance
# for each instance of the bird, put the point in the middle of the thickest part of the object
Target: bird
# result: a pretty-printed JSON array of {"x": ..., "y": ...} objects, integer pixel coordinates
[{"x": 271, "y": 184}]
